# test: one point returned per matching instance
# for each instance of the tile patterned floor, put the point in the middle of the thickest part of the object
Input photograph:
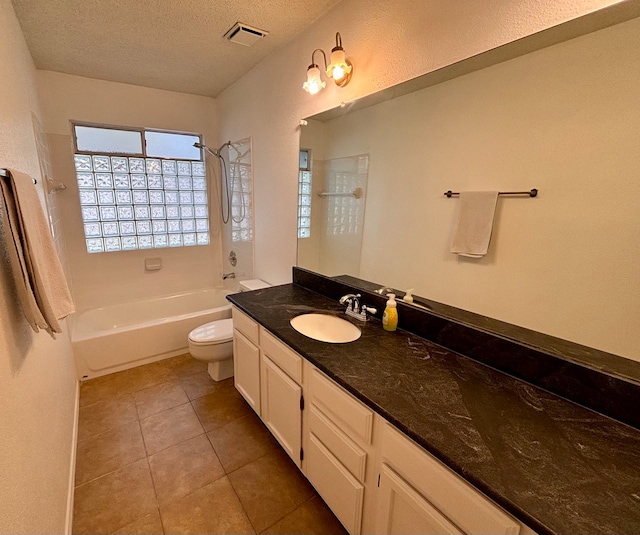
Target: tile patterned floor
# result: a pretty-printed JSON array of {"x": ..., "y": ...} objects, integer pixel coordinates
[{"x": 163, "y": 448}]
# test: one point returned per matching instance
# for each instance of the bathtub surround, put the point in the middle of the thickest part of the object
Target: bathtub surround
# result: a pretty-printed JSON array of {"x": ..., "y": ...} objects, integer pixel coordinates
[
  {"x": 555, "y": 465},
  {"x": 106, "y": 279},
  {"x": 117, "y": 337},
  {"x": 38, "y": 388}
]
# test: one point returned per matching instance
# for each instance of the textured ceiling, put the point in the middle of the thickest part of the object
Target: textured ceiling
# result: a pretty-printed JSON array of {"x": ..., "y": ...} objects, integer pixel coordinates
[{"x": 166, "y": 44}]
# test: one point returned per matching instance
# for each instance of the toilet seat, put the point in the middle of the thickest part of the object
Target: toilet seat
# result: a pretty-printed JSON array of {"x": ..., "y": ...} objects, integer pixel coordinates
[{"x": 213, "y": 333}]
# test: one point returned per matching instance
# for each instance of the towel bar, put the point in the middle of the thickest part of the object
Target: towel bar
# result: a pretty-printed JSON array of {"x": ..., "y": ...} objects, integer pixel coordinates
[
  {"x": 531, "y": 193},
  {"x": 3, "y": 172},
  {"x": 357, "y": 193}
]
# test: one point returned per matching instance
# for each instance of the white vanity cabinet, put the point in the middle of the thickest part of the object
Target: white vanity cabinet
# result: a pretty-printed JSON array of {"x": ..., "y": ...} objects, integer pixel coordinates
[
  {"x": 281, "y": 393},
  {"x": 372, "y": 476},
  {"x": 338, "y": 448},
  {"x": 268, "y": 375},
  {"x": 246, "y": 361},
  {"x": 419, "y": 494}
]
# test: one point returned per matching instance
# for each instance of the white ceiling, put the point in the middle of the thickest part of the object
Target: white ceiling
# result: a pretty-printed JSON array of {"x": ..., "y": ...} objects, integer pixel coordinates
[{"x": 166, "y": 44}]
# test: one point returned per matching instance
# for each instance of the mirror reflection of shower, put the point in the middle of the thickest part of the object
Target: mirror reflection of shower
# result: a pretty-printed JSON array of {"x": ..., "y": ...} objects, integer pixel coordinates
[{"x": 232, "y": 197}]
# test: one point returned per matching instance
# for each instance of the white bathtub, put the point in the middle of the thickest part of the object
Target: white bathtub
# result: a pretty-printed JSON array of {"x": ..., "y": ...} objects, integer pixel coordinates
[{"x": 118, "y": 337}]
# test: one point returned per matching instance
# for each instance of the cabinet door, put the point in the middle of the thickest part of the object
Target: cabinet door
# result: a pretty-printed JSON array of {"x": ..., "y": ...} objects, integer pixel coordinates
[
  {"x": 281, "y": 411},
  {"x": 246, "y": 369},
  {"x": 461, "y": 503},
  {"x": 342, "y": 492},
  {"x": 403, "y": 511}
]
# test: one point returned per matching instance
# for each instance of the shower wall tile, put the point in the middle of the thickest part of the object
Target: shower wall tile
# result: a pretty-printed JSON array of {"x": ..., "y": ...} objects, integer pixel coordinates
[{"x": 104, "y": 279}]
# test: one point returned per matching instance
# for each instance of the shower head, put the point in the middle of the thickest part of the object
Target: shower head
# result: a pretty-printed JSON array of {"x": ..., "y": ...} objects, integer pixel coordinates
[{"x": 210, "y": 151}]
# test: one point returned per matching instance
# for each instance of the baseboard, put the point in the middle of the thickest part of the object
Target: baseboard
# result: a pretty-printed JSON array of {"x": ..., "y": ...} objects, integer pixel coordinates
[{"x": 68, "y": 525}]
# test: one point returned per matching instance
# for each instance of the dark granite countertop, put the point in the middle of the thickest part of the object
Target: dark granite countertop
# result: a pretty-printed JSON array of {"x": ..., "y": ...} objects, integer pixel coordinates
[
  {"x": 555, "y": 465},
  {"x": 602, "y": 361}
]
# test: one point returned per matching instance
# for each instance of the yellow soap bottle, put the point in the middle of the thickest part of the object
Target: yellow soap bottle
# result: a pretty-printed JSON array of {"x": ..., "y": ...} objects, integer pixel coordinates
[{"x": 390, "y": 316}]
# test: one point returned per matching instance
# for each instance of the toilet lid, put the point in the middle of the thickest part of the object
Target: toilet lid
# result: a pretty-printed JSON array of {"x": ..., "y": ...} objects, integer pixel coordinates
[
  {"x": 253, "y": 284},
  {"x": 216, "y": 332}
]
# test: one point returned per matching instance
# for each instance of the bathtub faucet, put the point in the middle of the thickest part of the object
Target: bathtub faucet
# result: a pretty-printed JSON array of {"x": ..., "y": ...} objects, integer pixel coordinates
[{"x": 226, "y": 276}]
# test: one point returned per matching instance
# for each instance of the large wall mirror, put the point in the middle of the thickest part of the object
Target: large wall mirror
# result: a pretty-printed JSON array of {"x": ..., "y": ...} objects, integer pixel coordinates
[{"x": 559, "y": 111}]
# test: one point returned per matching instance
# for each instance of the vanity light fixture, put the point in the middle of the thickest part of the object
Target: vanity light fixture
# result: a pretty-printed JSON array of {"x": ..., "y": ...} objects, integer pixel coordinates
[
  {"x": 339, "y": 69},
  {"x": 314, "y": 83}
]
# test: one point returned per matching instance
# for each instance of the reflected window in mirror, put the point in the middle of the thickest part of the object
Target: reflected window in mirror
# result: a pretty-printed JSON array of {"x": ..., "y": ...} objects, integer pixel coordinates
[{"x": 304, "y": 195}]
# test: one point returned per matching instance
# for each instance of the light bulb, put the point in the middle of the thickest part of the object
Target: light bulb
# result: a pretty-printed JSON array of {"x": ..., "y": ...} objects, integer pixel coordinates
[
  {"x": 338, "y": 68},
  {"x": 338, "y": 72},
  {"x": 315, "y": 86},
  {"x": 314, "y": 83}
]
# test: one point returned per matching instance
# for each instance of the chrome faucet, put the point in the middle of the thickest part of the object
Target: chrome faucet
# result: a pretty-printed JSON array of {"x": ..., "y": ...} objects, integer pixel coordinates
[
  {"x": 354, "y": 309},
  {"x": 226, "y": 276},
  {"x": 352, "y": 301},
  {"x": 384, "y": 291}
]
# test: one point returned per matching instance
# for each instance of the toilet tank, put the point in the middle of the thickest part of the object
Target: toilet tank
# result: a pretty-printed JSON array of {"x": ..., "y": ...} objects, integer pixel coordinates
[{"x": 253, "y": 284}]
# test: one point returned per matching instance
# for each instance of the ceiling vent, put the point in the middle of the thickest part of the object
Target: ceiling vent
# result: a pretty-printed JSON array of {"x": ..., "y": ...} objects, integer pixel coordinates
[{"x": 244, "y": 34}]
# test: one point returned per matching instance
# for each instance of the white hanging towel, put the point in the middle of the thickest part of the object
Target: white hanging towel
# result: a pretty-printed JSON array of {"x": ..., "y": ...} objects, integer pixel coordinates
[
  {"x": 474, "y": 223},
  {"x": 40, "y": 282}
]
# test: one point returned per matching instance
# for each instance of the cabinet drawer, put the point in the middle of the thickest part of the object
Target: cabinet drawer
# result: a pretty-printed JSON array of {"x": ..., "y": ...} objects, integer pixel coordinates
[
  {"x": 465, "y": 506},
  {"x": 245, "y": 325},
  {"x": 288, "y": 361},
  {"x": 342, "y": 492},
  {"x": 341, "y": 446},
  {"x": 342, "y": 408}
]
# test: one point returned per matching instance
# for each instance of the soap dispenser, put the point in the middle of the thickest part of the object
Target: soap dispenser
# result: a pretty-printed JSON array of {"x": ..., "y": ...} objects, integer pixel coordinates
[
  {"x": 390, "y": 316},
  {"x": 408, "y": 297}
]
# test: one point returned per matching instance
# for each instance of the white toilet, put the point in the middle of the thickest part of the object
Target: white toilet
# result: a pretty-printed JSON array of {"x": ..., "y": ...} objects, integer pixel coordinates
[{"x": 213, "y": 342}]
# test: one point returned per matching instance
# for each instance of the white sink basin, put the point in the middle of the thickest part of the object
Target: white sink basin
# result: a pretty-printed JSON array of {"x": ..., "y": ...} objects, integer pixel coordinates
[{"x": 326, "y": 328}]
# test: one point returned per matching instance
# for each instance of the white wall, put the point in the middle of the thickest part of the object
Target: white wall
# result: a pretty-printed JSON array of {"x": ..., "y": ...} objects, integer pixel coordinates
[
  {"x": 38, "y": 388},
  {"x": 108, "y": 278},
  {"x": 388, "y": 42},
  {"x": 564, "y": 119}
]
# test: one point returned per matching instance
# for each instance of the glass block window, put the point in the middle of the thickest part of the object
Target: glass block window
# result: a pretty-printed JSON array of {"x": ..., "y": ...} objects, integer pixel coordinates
[
  {"x": 133, "y": 201},
  {"x": 304, "y": 195},
  {"x": 240, "y": 186}
]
